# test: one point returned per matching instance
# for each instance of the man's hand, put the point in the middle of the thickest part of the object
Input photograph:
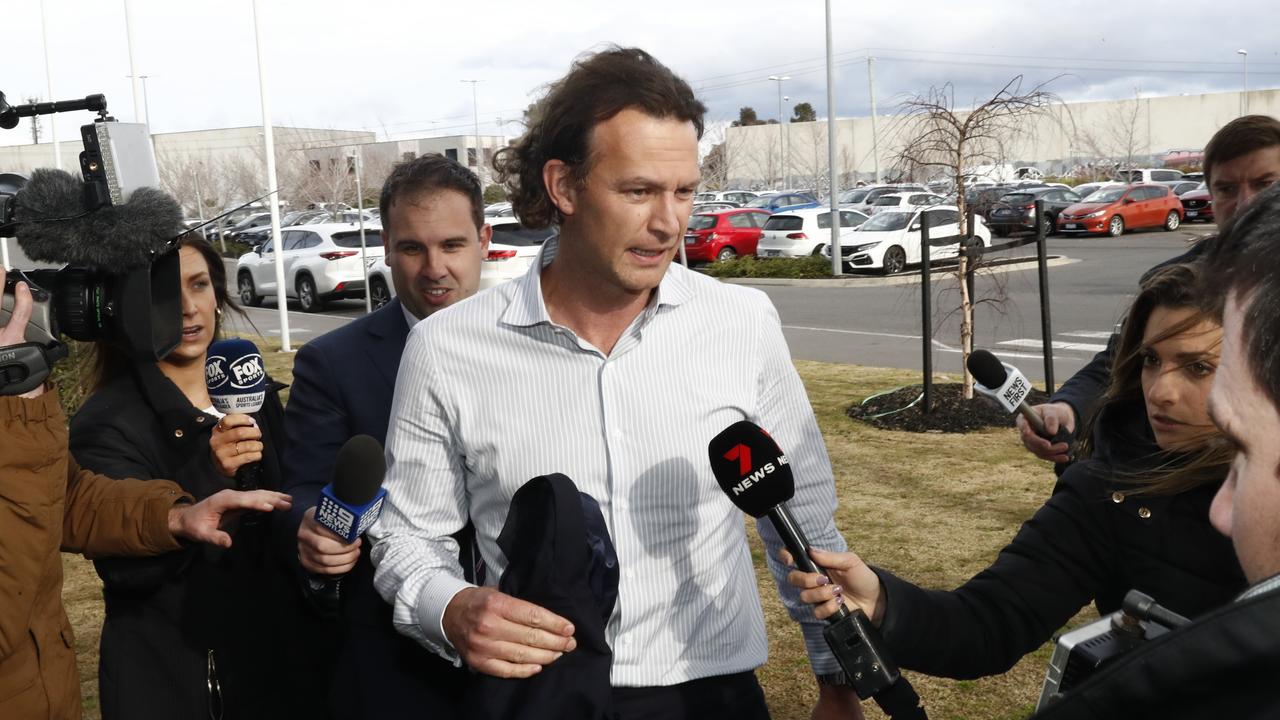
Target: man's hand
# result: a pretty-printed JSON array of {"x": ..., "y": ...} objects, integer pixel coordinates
[
  {"x": 1055, "y": 415},
  {"x": 236, "y": 442},
  {"x": 837, "y": 703},
  {"x": 321, "y": 552},
  {"x": 848, "y": 580},
  {"x": 503, "y": 636},
  {"x": 203, "y": 521},
  {"x": 15, "y": 332}
]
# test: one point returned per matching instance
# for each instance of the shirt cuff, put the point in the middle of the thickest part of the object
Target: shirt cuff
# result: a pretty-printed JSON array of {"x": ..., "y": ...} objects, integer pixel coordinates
[
  {"x": 821, "y": 659},
  {"x": 435, "y": 596}
]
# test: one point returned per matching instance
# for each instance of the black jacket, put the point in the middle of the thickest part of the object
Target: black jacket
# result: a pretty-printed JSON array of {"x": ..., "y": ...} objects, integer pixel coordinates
[
  {"x": 1223, "y": 666},
  {"x": 1082, "y": 390},
  {"x": 173, "y": 620},
  {"x": 1093, "y": 540},
  {"x": 342, "y": 386}
]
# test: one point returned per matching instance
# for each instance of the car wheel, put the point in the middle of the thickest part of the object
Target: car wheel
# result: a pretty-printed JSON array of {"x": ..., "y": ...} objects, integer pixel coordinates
[
  {"x": 1046, "y": 223},
  {"x": 379, "y": 295},
  {"x": 895, "y": 261},
  {"x": 1115, "y": 228},
  {"x": 1172, "y": 221},
  {"x": 726, "y": 253},
  {"x": 308, "y": 298},
  {"x": 249, "y": 296},
  {"x": 817, "y": 251}
]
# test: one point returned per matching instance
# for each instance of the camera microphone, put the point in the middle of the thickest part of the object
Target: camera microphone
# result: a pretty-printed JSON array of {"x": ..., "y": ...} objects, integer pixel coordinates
[{"x": 53, "y": 224}]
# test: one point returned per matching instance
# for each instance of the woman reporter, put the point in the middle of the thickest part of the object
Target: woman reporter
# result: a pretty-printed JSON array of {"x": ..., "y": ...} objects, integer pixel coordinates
[
  {"x": 199, "y": 632},
  {"x": 1136, "y": 518}
]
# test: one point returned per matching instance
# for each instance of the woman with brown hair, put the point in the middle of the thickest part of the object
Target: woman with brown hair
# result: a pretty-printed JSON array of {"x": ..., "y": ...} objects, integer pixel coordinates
[
  {"x": 199, "y": 632},
  {"x": 1135, "y": 518}
]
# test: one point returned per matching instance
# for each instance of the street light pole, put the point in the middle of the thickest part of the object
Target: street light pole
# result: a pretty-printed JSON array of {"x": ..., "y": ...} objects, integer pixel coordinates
[
  {"x": 475, "y": 118},
  {"x": 833, "y": 190},
  {"x": 782, "y": 161},
  {"x": 1244, "y": 93},
  {"x": 48, "y": 83},
  {"x": 273, "y": 186},
  {"x": 133, "y": 73},
  {"x": 875, "y": 133}
]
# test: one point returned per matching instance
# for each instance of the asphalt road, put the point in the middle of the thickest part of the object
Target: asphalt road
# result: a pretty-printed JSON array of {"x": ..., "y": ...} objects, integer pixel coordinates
[{"x": 877, "y": 321}]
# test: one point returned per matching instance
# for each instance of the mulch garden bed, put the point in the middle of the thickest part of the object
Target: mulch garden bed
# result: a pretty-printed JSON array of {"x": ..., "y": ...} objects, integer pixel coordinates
[{"x": 950, "y": 411}]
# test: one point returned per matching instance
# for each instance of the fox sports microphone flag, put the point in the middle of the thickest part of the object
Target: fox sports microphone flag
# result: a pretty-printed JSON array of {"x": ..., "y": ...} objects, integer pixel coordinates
[{"x": 235, "y": 376}]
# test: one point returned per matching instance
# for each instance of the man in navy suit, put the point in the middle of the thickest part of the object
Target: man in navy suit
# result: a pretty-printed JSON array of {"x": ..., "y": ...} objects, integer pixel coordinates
[{"x": 435, "y": 238}]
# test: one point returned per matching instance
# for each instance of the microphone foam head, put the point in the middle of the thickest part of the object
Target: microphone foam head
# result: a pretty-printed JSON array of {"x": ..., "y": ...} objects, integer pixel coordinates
[
  {"x": 751, "y": 469},
  {"x": 236, "y": 376},
  {"x": 359, "y": 470},
  {"x": 987, "y": 368}
]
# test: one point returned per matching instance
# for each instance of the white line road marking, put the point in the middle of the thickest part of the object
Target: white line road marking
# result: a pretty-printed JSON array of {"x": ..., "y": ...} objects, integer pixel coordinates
[
  {"x": 1094, "y": 334},
  {"x": 852, "y": 332},
  {"x": 1057, "y": 345}
]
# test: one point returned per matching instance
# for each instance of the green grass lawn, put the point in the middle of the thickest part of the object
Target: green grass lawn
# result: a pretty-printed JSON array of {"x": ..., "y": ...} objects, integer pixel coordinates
[{"x": 927, "y": 506}]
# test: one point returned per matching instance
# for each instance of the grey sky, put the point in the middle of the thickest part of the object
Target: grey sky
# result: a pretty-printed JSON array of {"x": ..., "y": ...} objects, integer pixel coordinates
[{"x": 396, "y": 67}]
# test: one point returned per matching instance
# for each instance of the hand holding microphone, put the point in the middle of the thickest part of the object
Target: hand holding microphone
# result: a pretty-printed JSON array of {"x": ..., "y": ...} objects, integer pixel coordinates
[
  {"x": 329, "y": 536},
  {"x": 235, "y": 443},
  {"x": 237, "y": 382},
  {"x": 1009, "y": 388}
]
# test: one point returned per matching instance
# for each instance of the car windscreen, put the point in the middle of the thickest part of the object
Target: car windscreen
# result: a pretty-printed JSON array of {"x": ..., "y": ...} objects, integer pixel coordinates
[
  {"x": 784, "y": 222},
  {"x": 702, "y": 222},
  {"x": 887, "y": 201},
  {"x": 760, "y": 201},
  {"x": 1130, "y": 176},
  {"x": 886, "y": 221},
  {"x": 1106, "y": 195},
  {"x": 1018, "y": 198},
  {"x": 372, "y": 238},
  {"x": 853, "y": 196}
]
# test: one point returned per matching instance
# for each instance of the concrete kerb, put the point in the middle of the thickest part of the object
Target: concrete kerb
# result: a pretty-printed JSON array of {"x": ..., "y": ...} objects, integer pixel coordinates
[{"x": 909, "y": 278}]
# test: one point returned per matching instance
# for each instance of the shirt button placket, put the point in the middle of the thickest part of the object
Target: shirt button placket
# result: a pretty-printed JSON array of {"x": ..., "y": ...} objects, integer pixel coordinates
[{"x": 614, "y": 437}]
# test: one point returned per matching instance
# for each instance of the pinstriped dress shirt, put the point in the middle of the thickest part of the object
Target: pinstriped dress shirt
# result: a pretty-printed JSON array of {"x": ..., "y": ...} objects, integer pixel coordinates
[{"x": 491, "y": 394}]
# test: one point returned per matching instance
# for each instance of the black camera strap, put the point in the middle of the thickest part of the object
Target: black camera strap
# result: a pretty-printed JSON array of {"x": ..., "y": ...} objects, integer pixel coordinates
[{"x": 25, "y": 367}]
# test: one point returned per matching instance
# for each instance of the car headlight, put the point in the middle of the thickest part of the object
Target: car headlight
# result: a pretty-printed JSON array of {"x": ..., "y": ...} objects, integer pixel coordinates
[
  {"x": 1100, "y": 213},
  {"x": 863, "y": 247}
]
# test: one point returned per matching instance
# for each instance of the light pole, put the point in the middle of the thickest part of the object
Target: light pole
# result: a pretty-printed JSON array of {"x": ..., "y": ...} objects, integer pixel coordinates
[
  {"x": 781, "y": 143},
  {"x": 364, "y": 260},
  {"x": 146, "y": 103},
  {"x": 475, "y": 118},
  {"x": 48, "y": 83},
  {"x": 273, "y": 185},
  {"x": 1244, "y": 93}
]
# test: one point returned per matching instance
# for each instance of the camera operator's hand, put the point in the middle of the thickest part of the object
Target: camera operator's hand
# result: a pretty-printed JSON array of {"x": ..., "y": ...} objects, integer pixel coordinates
[
  {"x": 848, "y": 580},
  {"x": 15, "y": 332},
  {"x": 236, "y": 442},
  {"x": 203, "y": 521}
]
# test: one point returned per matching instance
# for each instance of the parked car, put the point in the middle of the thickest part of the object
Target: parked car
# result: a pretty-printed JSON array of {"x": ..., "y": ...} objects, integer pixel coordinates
[
  {"x": 1181, "y": 186},
  {"x": 499, "y": 209},
  {"x": 712, "y": 207},
  {"x": 321, "y": 263},
  {"x": 1114, "y": 210},
  {"x": 868, "y": 200},
  {"x": 1084, "y": 190},
  {"x": 1147, "y": 175},
  {"x": 890, "y": 241},
  {"x": 983, "y": 197},
  {"x": 904, "y": 201},
  {"x": 1017, "y": 210},
  {"x": 849, "y": 198},
  {"x": 799, "y": 233},
  {"x": 783, "y": 202},
  {"x": 1197, "y": 176},
  {"x": 738, "y": 197},
  {"x": 1197, "y": 204},
  {"x": 723, "y": 234},
  {"x": 249, "y": 222}
]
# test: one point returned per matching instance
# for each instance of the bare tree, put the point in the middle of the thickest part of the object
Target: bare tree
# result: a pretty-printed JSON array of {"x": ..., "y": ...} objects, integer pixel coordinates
[
  {"x": 1118, "y": 140},
  {"x": 941, "y": 139}
]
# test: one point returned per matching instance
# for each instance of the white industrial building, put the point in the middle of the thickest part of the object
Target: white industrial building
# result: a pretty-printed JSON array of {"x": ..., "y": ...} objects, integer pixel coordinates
[{"x": 1062, "y": 138}]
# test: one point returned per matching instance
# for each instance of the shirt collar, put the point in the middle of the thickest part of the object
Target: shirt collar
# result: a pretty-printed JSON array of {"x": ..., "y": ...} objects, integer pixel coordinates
[
  {"x": 1270, "y": 584},
  {"x": 408, "y": 316},
  {"x": 527, "y": 307}
]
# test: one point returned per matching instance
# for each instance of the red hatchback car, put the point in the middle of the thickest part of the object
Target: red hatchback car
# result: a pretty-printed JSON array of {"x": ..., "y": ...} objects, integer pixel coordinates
[
  {"x": 723, "y": 234},
  {"x": 1197, "y": 205},
  {"x": 1116, "y": 209}
]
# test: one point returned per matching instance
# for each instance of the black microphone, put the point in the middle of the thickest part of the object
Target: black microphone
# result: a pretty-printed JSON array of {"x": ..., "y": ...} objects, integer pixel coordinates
[
  {"x": 1009, "y": 388},
  {"x": 237, "y": 382},
  {"x": 353, "y": 501},
  {"x": 756, "y": 475},
  {"x": 52, "y": 224}
]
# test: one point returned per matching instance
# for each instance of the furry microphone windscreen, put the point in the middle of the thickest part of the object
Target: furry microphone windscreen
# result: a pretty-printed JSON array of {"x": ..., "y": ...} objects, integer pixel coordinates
[{"x": 52, "y": 225}]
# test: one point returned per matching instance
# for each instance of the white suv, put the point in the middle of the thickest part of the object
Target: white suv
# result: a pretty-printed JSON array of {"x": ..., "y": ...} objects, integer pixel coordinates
[{"x": 321, "y": 262}]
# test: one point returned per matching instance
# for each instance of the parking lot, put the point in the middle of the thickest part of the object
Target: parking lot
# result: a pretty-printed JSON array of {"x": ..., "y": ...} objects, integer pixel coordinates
[{"x": 876, "y": 321}]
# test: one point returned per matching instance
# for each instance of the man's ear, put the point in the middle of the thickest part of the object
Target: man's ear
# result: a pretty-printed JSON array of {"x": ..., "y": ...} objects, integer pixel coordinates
[
  {"x": 562, "y": 188},
  {"x": 486, "y": 234}
]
